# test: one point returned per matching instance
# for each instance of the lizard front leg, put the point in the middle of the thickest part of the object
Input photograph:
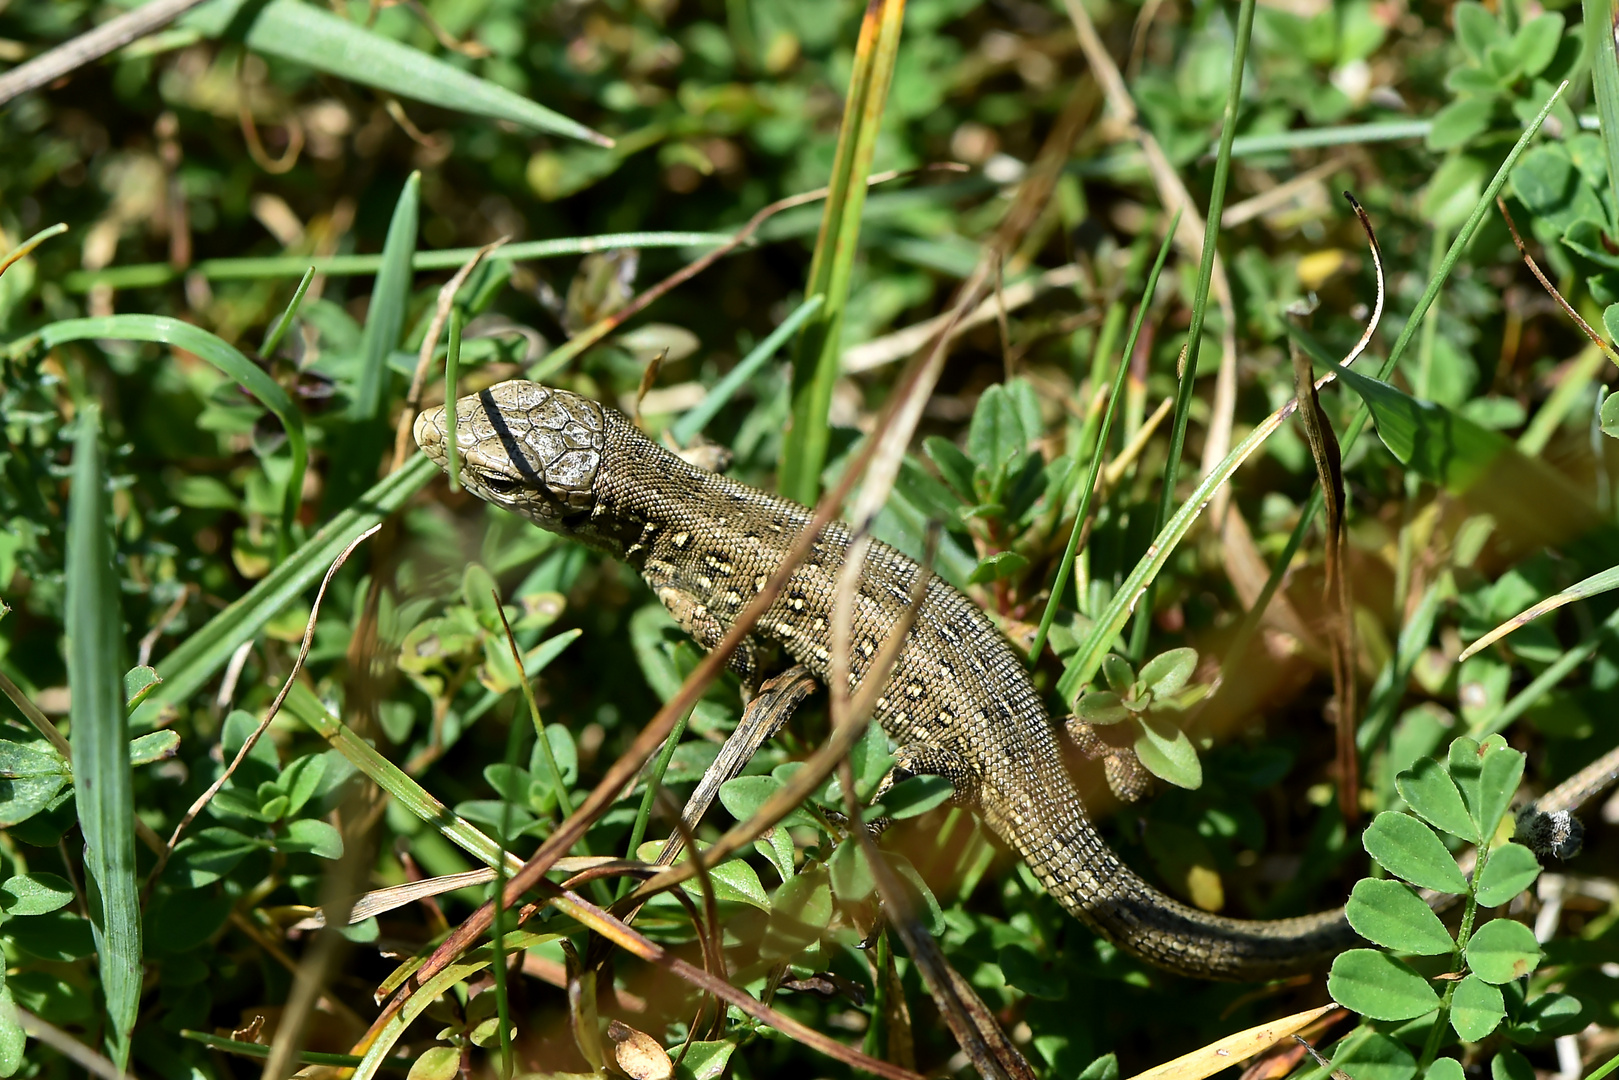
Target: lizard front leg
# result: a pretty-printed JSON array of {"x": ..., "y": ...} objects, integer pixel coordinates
[
  {"x": 695, "y": 618},
  {"x": 1112, "y": 745}
]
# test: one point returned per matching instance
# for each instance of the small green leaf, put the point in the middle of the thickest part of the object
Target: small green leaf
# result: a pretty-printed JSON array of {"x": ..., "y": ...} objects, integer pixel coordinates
[
  {"x": 1512, "y": 869},
  {"x": 1502, "y": 950},
  {"x": 997, "y": 567},
  {"x": 34, "y": 894},
  {"x": 154, "y": 746},
  {"x": 1499, "y": 774},
  {"x": 1408, "y": 849},
  {"x": 1427, "y": 789},
  {"x": 138, "y": 682},
  {"x": 1374, "y": 1056},
  {"x": 314, "y": 836},
  {"x": 1378, "y": 986},
  {"x": 802, "y": 910},
  {"x": 1511, "y": 1065},
  {"x": 1390, "y": 914},
  {"x": 1547, "y": 1017},
  {"x": 1609, "y": 415},
  {"x": 435, "y": 1063},
  {"x": 1476, "y": 1009},
  {"x": 705, "y": 1060},
  {"x": 1165, "y": 751},
  {"x": 1102, "y": 707},
  {"x": 917, "y": 795},
  {"x": 1166, "y": 674},
  {"x": 954, "y": 466},
  {"x": 1024, "y": 970},
  {"x": 737, "y": 882},
  {"x": 1118, "y": 673},
  {"x": 852, "y": 879},
  {"x": 1444, "y": 1069}
]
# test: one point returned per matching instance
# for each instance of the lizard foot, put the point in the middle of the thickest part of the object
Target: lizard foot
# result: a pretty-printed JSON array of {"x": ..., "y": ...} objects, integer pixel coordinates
[{"x": 1112, "y": 745}]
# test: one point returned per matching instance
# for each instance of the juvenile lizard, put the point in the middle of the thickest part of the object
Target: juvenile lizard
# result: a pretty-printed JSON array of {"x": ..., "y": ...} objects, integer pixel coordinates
[{"x": 958, "y": 703}]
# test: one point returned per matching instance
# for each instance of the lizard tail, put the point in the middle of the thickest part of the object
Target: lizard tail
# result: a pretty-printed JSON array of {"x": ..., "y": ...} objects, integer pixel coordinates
[{"x": 1089, "y": 880}]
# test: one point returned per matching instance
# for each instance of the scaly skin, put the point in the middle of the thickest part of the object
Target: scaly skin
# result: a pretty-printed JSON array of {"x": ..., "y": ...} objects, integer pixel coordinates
[{"x": 959, "y": 702}]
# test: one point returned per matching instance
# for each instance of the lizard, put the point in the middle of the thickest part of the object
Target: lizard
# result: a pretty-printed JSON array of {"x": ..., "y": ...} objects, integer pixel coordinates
[{"x": 959, "y": 702}]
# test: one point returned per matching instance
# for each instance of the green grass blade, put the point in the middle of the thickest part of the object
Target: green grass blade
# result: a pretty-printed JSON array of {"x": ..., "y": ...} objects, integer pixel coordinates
[
  {"x": 273, "y": 338},
  {"x": 1595, "y": 585},
  {"x": 698, "y": 417},
  {"x": 1200, "y": 300},
  {"x": 225, "y": 357},
  {"x": 816, "y": 359},
  {"x": 195, "y": 661},
  {"x": 150, "y": 275},
  {"x": 102, "y": 776},
  {"x": 1099, "y": 450},
  {"x": 22, "y": 250},
  {"x": 361, "y": 445},
  {"x": 309, "y": 35},
  {"x": 452, "y": 380},
  {"x": 1599, "y": 30},
  {"x": 1088, "y": 659},
  {"x": 1341, "y": 135}
]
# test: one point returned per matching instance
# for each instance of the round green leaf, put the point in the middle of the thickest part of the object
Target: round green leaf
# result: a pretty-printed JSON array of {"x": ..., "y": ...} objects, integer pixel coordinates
[
  {"x": 1427, "y": 789},
  {"x": 34, "y": 894},
  {"x": 1511, "y": 1065},
  {"x": 436, "y": 1063},
  {"x": 744, "y": 795},
  {"x": 1167, "y": 673},
  {"x": 314, "y": 836},
  {"x": 1476, "y": 1009},
  {"x": 1444, "y": 1069},
  {"x": 1378, "y": 986},
  {"x": 1167, "y": 753},
  {"x": 735, "y": 881},
  {"x": 1390, "y": 914},
  {"x": 1512, "y": 869},
  {"x": 1408, "y": 849},
  {"x": 1502, "y": 950}
]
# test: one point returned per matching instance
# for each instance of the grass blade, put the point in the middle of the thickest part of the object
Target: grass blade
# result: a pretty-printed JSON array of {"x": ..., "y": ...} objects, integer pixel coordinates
[
  {"x": 21, "y": 250},
  {"x": 273, "y": 338},
  {"x": 698, "y": 417},
  {"x": 150, "y": 275},
  {"x": 361, "y": 446},
  {"x": 308, "y": 35},
  {"x": 1595, "y": 585},
  {"x": 225, "y": 357},
  {"x": 1599, "y": 30},
  {"x": 1341, "y": 135},
  {"x": 1200, "y": 302},
  {"x": 1100, "y": 449},
  {"x": 196, "y": 660},
  {"x": 816, "y": 360},
  {"x": 102, "y": 781}
]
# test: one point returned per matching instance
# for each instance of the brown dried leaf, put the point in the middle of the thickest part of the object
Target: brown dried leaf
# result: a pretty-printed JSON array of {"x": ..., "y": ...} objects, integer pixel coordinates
[{"x": 639, "y": 1054}]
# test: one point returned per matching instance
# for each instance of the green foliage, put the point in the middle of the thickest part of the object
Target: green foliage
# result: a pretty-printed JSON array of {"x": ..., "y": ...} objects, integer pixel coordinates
[
  {"x": 1464, "y": 795},
  {"x": 383, "y": 144}
]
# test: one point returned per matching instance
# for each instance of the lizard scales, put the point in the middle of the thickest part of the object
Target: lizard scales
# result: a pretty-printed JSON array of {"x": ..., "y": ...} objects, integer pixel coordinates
[{"x": 959, "y": 702}]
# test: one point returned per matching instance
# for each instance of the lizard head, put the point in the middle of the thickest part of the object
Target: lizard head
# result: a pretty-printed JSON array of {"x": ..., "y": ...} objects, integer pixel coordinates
[{"x": 525, "y": 447}]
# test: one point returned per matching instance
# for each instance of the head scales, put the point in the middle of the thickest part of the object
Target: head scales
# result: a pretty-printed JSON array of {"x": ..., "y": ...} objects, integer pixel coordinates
[{"x": 525, "y": 447}]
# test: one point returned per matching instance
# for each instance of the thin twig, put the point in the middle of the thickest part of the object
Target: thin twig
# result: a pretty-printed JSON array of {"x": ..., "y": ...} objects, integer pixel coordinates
[
  {"x": 91, "y": 46},
  {"x": 1534, "y": 268},
  {"x": 269, "y": 715},
  {"x": 75, "y": 1051}
]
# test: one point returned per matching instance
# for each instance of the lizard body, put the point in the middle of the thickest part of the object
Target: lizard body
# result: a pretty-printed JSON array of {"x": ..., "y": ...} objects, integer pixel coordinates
[{"x": 958, "y": 702}]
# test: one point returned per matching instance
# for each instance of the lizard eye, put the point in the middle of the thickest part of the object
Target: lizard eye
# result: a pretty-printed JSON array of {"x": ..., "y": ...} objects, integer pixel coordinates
[{"x": 500, "y": 485}]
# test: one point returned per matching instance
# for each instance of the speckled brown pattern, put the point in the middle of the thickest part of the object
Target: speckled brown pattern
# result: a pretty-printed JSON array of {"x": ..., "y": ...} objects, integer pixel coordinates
[{"x": 959, "y": 702}]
